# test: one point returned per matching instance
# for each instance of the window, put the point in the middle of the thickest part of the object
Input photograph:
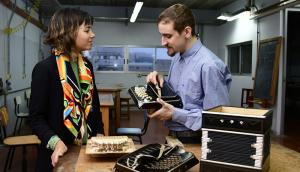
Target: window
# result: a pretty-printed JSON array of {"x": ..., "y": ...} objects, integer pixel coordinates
[
  {"x": 128, "y": 58},
  {"x": 162, "y": 61},
  {"x": 107, "y": 58},
  {"x": 234, "y": 59},
  {"x": 141, "y": 59},
  {"x": 240, "y": 58}
]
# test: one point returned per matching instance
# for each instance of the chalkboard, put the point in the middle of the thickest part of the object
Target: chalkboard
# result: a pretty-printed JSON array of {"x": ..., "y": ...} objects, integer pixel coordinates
[{"x": 266, "y": 75}]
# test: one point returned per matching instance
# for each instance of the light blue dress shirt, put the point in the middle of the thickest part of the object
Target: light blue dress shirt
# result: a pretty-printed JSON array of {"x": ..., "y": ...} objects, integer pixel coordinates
[{"x": 202, "y": 81}]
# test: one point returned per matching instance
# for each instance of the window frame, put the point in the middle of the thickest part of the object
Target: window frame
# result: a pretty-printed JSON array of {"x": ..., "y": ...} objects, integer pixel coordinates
[
  {"x": 239, "y": 45},
  {"x": 111, "y": 46},
  {"x": 126, "y": 58}
]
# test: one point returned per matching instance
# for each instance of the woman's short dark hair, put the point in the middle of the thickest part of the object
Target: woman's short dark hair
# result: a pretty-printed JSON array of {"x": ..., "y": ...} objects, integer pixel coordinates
[
  {"x": 63, "y": 27},
  {"x": 181, "y": 15}
]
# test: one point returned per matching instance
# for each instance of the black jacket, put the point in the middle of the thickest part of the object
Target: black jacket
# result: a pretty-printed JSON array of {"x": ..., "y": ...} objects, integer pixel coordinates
[{"x": 46, "y": 109}]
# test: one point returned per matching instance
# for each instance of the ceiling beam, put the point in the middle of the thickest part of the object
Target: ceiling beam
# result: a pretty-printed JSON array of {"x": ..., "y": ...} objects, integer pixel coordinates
[{"x": 23, "y": 14}]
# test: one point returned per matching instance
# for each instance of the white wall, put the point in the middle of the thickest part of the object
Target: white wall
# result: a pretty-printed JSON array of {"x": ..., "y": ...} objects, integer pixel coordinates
[
  {"x": 216, "y": 38},
  {"x": 117, "y": 33},
  {"x": 246, "y": 30},
  {"x": 19, "y": 81},
  {"x": 143, "y": 34},
  {"x": 210, "y": 39},
  {"x": 237, "y": 31}
]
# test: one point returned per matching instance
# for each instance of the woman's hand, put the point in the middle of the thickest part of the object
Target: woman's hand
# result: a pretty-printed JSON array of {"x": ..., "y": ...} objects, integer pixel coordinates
[{"x": 60, "y": 150}]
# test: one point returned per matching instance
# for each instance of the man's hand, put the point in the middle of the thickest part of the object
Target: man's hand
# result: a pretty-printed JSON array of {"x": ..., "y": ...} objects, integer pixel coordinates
[
  {"x": 155, "y": 78},
  {"x": 164, "y": 113},
  {"x": 60, "y": 150}
]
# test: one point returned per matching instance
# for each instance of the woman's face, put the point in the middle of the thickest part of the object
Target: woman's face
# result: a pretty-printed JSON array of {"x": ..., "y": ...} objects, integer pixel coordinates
[{"x": 84, "y": 39}]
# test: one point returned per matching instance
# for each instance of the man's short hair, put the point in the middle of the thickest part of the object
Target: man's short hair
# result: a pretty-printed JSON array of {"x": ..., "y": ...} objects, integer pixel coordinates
[{"x": 181, "y": 15}]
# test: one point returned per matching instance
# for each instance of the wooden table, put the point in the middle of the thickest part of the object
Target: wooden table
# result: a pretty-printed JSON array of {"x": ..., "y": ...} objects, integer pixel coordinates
[
  {"x": 115, "y": 91},
  {"x": 106, "y": 101},
  {"x": 282, "y": 159},
  {"x": 86, "y": 163}
]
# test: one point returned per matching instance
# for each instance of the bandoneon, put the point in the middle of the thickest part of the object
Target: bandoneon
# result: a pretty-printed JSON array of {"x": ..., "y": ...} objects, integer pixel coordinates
[{"x": 235, "y": 140}]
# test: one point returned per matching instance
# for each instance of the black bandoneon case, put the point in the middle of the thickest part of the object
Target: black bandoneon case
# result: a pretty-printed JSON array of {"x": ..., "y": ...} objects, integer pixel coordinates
[
  {"x": 235, "y": 139},
  {"x": 144, "y": 96}
]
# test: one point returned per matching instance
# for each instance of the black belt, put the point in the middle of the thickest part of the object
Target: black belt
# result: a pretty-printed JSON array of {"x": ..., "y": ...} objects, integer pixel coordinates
[{"x": 187, "y": 133}]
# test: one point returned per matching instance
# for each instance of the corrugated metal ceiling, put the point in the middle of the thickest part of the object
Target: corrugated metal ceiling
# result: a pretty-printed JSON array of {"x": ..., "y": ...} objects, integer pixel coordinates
[{"x": 194, "y": 4}]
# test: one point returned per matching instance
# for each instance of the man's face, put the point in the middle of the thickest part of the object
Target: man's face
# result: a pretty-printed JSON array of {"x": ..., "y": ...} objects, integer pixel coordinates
[{"x": 171, "y": 39}]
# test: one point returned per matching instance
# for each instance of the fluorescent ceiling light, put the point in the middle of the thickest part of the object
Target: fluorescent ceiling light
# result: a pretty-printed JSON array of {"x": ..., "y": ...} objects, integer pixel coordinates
[
  {"x": 136, "y": 10},
  {"x": 287, "y": 2},
  {"x": 244, "y": 14},
  {"x": 224, "y": 16}
]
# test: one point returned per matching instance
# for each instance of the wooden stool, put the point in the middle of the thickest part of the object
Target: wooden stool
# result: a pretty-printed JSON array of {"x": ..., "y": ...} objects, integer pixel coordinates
[{"x": 125, "y": 103}]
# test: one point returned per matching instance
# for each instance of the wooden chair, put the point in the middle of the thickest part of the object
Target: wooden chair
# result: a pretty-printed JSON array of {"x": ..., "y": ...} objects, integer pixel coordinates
[
  {"x": 3, "y": 121},
  {"x": 18, "y": 114},
  {"x": 125, "y": 103},
  {"x": 138, "y": 132},
  {"x": 248, "y": 100},
  {"x": 15, "y": 141}
]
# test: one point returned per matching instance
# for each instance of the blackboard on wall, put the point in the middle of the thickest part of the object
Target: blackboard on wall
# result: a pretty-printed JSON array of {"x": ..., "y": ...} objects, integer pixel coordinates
[{"x": 267, "y": 66}]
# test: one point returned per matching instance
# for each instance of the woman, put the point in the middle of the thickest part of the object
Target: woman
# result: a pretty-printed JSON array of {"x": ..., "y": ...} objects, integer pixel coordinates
[{"x": 64, "y": 105}]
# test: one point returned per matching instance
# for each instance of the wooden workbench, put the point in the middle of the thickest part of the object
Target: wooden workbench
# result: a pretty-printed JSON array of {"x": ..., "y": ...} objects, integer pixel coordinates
[{"x": 86, "y": 163}]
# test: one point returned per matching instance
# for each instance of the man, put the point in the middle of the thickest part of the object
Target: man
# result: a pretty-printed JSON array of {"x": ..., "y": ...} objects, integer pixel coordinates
[{"x": 197, "y": 75}]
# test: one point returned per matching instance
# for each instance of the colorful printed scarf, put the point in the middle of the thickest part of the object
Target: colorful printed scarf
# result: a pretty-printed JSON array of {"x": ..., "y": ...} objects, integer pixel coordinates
[{"x": 77, "y": 96}]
